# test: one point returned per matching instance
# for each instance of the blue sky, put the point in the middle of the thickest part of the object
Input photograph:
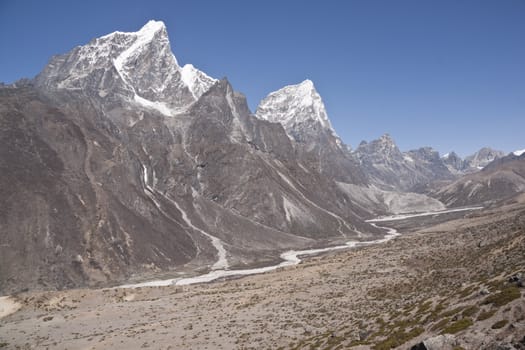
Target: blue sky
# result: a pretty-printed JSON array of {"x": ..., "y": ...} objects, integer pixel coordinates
[{"x": 449, "y": 74}]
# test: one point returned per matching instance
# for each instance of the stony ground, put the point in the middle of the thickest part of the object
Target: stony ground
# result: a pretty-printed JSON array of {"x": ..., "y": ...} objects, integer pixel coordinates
[{"x": 455, "y": 284}]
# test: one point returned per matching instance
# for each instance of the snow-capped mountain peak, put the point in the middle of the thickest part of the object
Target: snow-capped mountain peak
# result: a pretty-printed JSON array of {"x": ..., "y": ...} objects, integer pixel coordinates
[
  {"x": 303, "y": 102},
  {"x": 519, "y": 152},
  {"x": 130, "y": 67},
  {"x": 299, "y": 108},
  {"x": 387, "y": 141},
  {"x": 142, "y": 38},
  {"x": 197, "y": 81},
  {"x": 483, "y": 157},
  {"x": 152, "y": 26}
]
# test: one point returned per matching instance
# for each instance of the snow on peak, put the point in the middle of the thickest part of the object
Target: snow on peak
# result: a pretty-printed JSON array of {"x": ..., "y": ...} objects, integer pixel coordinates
[
  {"x": 306, "y": 85},
  {"x": 152, "y": 27},
  {"x": 295, "y": 106},
  {"x": 193, "y": 79},
  {"x": 137, "y": 66},
  {"x": 196, "y": 81},
  {"x": 386, "y": 139},
  {"x": 149, "y": 29},
  {"x": 519, "y": 152},
  {"x": 143, "y": 37}
]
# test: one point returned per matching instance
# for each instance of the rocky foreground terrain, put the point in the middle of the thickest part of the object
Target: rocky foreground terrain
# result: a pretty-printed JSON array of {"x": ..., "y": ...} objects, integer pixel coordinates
[{"x": 449, "y": 282}]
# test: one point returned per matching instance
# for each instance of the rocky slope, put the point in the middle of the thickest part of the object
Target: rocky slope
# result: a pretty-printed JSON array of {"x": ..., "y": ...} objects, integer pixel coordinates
[
  {"x": 454, "y": 163},
  {"x": 472, "y": 163},
  {"x": 117, "y": 162},
  {"x": 382, "y": 202},
  {"x": 482, "y": 158},
  {"x": 128, "y": 68},
  {"x": 391, "y": 169},
  {"x": 451, "y": 286},
  {"x": 500, "y": 179},
  {"x": 301, "y": 111}
]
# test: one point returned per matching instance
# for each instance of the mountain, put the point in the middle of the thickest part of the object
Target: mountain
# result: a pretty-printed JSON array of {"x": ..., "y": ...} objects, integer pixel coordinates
[
  {"x": 421, "y": 170},
  {"x": 482, "y": 158},
  {"x": 472, "y": 163},
  {"x": 454, "y": 163},
  {"x": 137, "y": 68},
  {"x": 301, "y": 111},
  {"x": 390, "y": 169},
  {"x": 518, "y": 152},
  {"x": 117, "y": 163},
  {"x": 501, "y": 179}
]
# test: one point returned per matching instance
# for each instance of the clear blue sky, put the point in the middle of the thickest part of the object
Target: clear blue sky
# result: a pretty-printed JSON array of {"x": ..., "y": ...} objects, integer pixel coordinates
[{"x": 444, "y": 73}]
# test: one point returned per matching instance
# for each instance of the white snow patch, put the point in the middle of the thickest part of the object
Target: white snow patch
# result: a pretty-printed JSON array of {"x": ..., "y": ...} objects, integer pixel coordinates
[
  {"x": 519, "y": 152},
  {"x": 158, "y": 106},
  {"x": 196, "y": 81},
  {"x": 408, "y": 158}
]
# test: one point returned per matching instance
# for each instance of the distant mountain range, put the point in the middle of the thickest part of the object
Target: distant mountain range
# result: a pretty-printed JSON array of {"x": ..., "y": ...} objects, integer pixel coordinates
[
  {"x": 472, "y": 163},
  {"x": 391, "y": 169},
  {"x": 118, "y": 163},
  {"x": 501, "y": 179}
]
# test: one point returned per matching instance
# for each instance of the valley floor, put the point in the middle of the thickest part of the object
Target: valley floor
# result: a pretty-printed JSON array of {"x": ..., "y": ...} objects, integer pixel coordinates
[{"x": 457, "y": 282}]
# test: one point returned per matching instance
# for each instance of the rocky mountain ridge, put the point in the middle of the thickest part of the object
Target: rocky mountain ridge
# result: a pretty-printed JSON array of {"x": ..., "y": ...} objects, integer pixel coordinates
[
  {"x": 391, "y": 169},
  {"x": 501, "y": 179},
  {"x": 137, "y": 68},
  {"x": 471, "y": 163},
  {"x": 301, "y": 111},
  {"x": 119, "y": 163}
]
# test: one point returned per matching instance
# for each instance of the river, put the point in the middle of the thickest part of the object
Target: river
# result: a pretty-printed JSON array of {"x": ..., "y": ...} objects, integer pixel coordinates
[{"x": 291, "y": 257}]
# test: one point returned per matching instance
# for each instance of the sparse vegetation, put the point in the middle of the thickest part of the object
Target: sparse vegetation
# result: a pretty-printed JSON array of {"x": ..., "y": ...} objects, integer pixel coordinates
[
  {"x": 424, "y": 307},
  {"x": 381, "y": 297},
  {"x": 440, "y": 325},
  {"x": 503, "y": 297},
  {"x": 499, "y": 324},
  {"x": 398, "y": 338},
  {"x": 484, "y": 315},
  {"x": 470, "y": 311},
  {"x": 458, "y": 326},
  {"x": 466, "y": 291},
  {"x": 452, "y": 312}
]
